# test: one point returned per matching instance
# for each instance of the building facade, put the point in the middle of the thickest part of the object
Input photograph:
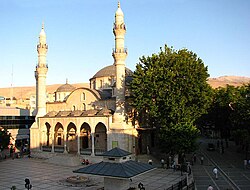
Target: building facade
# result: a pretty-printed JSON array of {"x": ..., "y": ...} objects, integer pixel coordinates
[{"x": 86, "y": 120}]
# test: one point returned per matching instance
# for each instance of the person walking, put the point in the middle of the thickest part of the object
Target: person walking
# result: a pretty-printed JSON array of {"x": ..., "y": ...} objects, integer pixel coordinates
[
  {"x": 215, "y": 171},
  {"x": 210, "y": 187},
  {"x": 202, "y": 160},
  {"x": 194, "y": 158}
]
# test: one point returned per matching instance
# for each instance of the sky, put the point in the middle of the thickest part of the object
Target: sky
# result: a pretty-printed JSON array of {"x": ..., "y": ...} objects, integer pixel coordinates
[{"x": 80, "y": 38}]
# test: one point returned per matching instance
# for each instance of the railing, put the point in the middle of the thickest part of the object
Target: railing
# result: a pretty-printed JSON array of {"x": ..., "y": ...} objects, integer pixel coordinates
[
  {"x": 124, "y": 50},
  {"x": 180, "y": 185},
  {"x": 99, "y": 151},
  {"x": 85, "y": 151},
  {"x": 59, "y": 149},
  {"x": 46, "y": 148}
]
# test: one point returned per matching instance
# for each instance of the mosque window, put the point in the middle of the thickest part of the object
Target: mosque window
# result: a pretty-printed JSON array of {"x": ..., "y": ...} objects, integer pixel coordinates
[
  {"x": 74, "y": 108},
  {"x": 94, "y": 85},
  {"x": 83, "y": 97},
  {"x": 101, "y": 83},
  {"x": 84, "y": 107}
]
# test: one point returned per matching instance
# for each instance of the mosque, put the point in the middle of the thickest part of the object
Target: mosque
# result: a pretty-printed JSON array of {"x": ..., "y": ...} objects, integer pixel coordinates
[{"x": 86, "y": 121}]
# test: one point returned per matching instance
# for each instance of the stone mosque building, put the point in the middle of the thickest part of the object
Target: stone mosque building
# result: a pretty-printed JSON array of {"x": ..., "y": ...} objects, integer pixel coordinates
[{"x": 86, "y": 121}]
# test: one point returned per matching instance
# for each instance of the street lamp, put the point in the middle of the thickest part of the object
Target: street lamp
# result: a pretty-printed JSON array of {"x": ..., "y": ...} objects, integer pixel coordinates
[{"x": 27, "y": 184}]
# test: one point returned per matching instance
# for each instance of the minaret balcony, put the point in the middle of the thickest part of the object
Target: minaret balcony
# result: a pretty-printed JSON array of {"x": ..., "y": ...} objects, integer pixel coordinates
[
  {"x": 42, "y": 65},
  {"x": 119, "y": 26},
  {"x": 116, "y": 50}
]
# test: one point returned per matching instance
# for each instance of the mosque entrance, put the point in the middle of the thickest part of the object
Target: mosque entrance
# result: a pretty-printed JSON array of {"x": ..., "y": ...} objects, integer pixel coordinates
[
  {"x": 100, "y": 138},
  {"x": 71, "y": 139},
  {"x": 85, "y": 139}
]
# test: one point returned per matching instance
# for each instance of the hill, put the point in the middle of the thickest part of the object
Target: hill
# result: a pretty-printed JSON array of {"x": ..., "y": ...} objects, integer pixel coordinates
[
  {"x": 228, "y": 80},
  {"x": 27, "y": 91}
]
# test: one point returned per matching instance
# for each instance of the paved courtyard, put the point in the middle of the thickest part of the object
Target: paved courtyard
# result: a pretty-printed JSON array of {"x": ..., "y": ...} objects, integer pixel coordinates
[{"x": 48, "y": 176}]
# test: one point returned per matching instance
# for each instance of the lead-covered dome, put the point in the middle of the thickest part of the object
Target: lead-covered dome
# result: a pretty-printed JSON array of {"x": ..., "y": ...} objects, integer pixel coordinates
[
  {"x": 109, "y": 71},
  {"x": 66, "y": 88}
]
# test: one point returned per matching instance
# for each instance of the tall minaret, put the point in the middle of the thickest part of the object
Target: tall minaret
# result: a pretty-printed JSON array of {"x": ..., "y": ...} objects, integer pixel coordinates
[
  {"x": 119, "y": 54},
  {"x": 40, "y": 74}
]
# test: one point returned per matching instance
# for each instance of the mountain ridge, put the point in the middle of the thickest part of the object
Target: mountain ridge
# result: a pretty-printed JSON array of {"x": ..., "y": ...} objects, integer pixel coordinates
[{"x": 24, "y": 92}]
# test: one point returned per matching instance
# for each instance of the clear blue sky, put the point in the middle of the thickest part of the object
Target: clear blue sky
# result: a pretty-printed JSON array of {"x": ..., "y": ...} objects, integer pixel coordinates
[{"x": 80, "y": 38}]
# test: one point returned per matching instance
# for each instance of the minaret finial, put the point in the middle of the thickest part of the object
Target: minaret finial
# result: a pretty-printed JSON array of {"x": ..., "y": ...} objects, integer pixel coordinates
[
  {"x": 43, "y": 25},
  {"x": 119, "y": 4},
  {"x": 66, "y": 80}
]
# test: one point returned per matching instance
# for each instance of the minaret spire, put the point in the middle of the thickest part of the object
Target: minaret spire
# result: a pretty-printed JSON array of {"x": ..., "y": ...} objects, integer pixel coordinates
[
  {"x": 119, "y": 55},
  {"x": 41, "y": 74}
]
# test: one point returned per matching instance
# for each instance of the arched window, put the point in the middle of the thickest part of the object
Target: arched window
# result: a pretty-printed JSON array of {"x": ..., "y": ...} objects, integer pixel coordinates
[
  {"x": 101, "y": 83},
  {"x": 74, "y": 108},
  {"x": 83, "y": 97},
  {"x": 84, "y": 107}
]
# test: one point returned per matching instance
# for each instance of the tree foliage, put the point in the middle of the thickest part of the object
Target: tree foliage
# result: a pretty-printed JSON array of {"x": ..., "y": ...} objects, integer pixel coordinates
[
  {"x": 170, "y": 89},
  {"x": 4, "y": 139}
]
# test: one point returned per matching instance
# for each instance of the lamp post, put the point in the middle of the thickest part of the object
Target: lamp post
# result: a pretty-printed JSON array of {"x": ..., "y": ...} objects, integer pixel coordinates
[{"x": 27, "y": 184}]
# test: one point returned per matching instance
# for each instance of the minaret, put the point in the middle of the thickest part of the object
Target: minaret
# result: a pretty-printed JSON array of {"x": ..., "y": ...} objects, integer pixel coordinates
[
  {"x": 40, "y": 74},
  {"x": 119, "y": 54}
]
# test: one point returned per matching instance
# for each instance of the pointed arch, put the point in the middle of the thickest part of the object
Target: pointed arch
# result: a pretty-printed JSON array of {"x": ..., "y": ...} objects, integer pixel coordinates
[
  {"x": 58, "y": 135},
  {"x": 100, "y": 138},
  {"x": 85, "y": 138},
  {"x": 71, "y": 138}
]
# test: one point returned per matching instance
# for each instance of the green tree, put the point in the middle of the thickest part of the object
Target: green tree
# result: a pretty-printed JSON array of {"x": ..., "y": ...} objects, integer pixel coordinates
[
  {"x": 241, "y": 109},
  {"x": 221, "y": 109},
  {"x": 4, "y": 138},
  {"x": 170, "y": 89}
]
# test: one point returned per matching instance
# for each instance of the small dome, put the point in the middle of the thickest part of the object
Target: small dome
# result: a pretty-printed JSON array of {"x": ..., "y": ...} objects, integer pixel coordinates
[
  {"x": 66, "y": 88},
  {"x": 109, "y": 71}
]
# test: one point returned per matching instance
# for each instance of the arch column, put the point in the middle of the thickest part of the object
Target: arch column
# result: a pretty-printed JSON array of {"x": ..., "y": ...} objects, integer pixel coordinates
[
  {"x": 53, "y": 141},
  {"x": 93, "y": 144},
  {"x": 65, "y": 142},
  {"x": 78, "y": 142}
]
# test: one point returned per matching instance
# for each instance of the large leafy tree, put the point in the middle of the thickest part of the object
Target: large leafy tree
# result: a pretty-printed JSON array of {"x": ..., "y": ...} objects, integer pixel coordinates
[
  {"x": 4, "y": 138},
  {"x": 221, "y": 109},
  {"x": 170, "y": 92}
]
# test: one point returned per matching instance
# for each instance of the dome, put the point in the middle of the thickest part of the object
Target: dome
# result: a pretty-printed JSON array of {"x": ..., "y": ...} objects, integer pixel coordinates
[
  {"x": 109, "y": 71},
  {"x": 66, "y": 88}
]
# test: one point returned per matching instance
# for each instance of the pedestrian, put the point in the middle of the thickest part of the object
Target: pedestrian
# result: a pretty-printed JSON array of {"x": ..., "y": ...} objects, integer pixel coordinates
[
  {"x": 210, "y": 187},
  {"x": 150, "y": 162},
  {"x": 169, "y": 161},
  {"x": 87, "y": 162},
  {"x": 174, "y": 165},
  {"x": 215, "y": 171},
  {"x": 245, "y": 164},
  {"x": 202, "y": 160},
  {"x": 162, "y": 163},
  {"x": 148, "y": 151},
  {"x": 194, "y": 157}
]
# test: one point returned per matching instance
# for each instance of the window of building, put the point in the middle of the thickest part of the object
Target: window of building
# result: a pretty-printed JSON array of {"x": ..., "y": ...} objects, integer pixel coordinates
[
  {"x": 83, "y": 97},
  {"x": 114, "y": 144},
  {"x": 84, "y": 107},
  {"x": 101, "y": 83}
]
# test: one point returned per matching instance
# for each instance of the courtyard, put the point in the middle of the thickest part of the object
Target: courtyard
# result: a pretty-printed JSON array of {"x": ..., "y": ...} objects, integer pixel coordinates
[{"x": 43, "y": 175}]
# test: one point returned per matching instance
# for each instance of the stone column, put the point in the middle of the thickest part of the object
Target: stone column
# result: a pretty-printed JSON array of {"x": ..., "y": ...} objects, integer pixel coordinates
[
  {"x": 93, "y": 144},
  {"x": 65, "y": 142},
  {"x": 53, "y": 142},
  {"x": 78, "y": 144}
]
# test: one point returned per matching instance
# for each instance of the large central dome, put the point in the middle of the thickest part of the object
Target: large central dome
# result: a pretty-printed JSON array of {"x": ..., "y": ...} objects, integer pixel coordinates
[{"x": 109, "y": 71}]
